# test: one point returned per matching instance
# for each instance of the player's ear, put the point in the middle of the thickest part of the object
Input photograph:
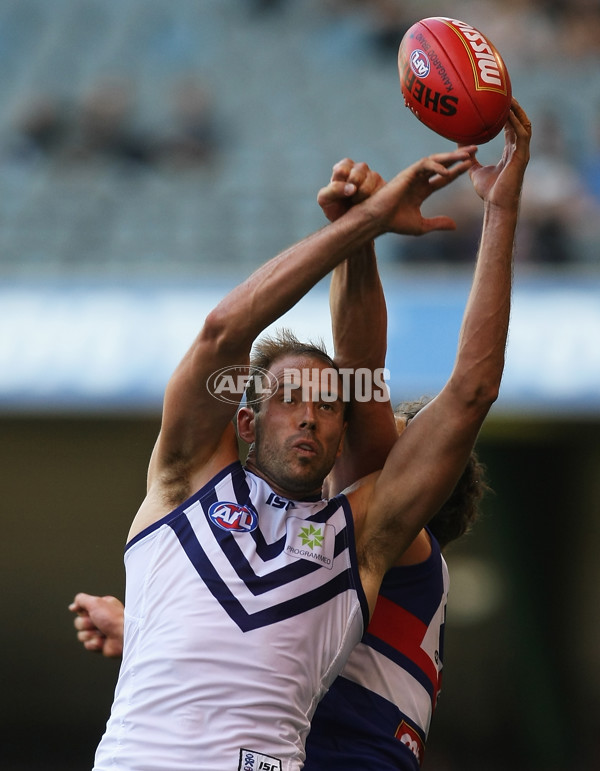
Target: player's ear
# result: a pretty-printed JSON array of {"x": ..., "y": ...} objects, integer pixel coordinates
[{"x": 245, "y": 424}]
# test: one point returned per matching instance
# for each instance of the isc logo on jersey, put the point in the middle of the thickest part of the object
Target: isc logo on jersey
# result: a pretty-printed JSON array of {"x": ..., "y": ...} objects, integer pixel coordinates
[
  {"x": 233, "y": 517},
  {"x": 257, "y": 761}
]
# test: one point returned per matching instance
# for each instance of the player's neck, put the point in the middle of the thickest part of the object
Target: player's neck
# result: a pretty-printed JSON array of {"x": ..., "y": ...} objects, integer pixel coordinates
[{"x": 302, "y": 495}]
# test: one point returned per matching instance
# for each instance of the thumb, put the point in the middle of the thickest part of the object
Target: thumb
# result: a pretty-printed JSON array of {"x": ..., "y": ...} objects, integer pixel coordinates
[{"x": 441, "y": 222}]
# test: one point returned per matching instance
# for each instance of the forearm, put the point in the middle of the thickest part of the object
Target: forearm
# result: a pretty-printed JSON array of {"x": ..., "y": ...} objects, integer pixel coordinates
[
  {"x": 359, "y": 323},
  {"x": 482, "y": 341},
  {"x": 280, "y": 283},
  {"x": 394, "y": 207},
  {"x": 230, "y": 329},
  {"x": 358, "y": 311}
]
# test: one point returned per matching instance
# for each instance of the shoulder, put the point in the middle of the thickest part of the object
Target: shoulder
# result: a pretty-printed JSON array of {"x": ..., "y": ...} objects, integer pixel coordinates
[
  {"x": 173, "y": 480},
  {"x": 173, "y": 475}
]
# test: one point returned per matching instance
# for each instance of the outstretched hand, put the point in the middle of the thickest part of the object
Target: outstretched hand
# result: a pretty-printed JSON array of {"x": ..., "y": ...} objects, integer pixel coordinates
[
  {"x": 99, "y": 623},
  {"x": 501, "y": 184},
  {"x": 407, "y": 192},
  {"x": 397, "y": 203}
]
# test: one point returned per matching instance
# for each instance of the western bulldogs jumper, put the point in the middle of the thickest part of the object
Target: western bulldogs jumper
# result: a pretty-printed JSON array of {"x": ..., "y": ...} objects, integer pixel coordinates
[
  {"x": 241, "y": 608},
  {"x": 377, "y": 713}
]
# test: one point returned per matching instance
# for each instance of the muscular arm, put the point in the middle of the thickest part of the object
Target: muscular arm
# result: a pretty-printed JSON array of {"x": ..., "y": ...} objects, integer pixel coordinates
[
  {"x": 359, "y": 325},
  {"x": 428, "y": 458},
  {"x": 99, "y": 620},
  {"x": 193, "y": 421},
  {"x": 359, "y": 320},
  {"x": 196, "y": 437}
]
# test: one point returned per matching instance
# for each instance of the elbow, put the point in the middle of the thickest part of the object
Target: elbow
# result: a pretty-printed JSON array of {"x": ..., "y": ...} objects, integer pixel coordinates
[
  {"x": 476, "y": 396},
  {"x": 486, "y": 395},
  {"x": 222, "y": 331}
]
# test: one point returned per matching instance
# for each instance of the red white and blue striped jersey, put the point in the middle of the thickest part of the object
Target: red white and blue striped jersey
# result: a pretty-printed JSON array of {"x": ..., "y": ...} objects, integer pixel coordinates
[
  {"x": 377, "y": 713},
  {"x": 241, "y": 609}
]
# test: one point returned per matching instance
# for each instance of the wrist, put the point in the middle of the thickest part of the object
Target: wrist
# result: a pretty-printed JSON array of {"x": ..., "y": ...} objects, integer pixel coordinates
[{"x": 505, "y": 210}]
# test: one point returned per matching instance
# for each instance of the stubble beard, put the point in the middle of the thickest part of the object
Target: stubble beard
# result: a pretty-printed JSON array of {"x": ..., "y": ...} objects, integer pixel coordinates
[{"x": 288, "y": 471}]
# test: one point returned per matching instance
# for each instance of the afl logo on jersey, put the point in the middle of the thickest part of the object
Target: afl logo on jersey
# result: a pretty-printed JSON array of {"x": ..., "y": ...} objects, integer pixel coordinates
[{"x": 233, "y": 517}]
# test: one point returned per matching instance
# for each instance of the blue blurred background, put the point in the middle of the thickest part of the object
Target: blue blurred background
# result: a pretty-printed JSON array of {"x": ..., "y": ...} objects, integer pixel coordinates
[{"x": 152, "y": 154}]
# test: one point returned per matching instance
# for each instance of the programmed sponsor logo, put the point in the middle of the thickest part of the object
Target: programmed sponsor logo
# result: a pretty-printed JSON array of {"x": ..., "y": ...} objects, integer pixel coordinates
[
  {"x": 419, "y": 63},
  {"x": 310, "y": 541},
  {"x": 233, "y": 517},
  {"x": 486, "y": 68}
]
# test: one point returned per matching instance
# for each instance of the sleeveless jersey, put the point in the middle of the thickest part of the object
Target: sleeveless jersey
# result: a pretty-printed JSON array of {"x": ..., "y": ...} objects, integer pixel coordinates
[
  {"x": 241, "y": 607},
  {"x": 377, "y": 713}
]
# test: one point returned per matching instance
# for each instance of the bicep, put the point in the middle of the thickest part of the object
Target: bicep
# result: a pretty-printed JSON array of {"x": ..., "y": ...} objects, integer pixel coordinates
[{"x": 194, "y": 418}]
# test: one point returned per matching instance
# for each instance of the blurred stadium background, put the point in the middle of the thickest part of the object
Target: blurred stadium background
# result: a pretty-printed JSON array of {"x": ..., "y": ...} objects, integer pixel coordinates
[{"x": 152, "y": 153}]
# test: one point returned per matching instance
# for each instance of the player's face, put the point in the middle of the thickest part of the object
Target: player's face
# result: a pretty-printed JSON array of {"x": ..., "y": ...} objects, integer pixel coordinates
[{"x": 299, "y": 430}]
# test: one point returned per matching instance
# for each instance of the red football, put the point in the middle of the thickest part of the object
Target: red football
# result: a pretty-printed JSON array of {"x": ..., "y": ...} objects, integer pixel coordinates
[{"x": 454, "y": 80}]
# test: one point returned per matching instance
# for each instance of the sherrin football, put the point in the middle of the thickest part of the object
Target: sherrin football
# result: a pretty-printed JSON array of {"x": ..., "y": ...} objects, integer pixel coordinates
[{"x": 454, "y": 80}]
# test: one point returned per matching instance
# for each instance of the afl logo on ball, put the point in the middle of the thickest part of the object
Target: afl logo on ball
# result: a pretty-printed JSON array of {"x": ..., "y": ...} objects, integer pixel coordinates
[
  {"x": 419, "y": 63},
  {"x": 233, "y": 517}
]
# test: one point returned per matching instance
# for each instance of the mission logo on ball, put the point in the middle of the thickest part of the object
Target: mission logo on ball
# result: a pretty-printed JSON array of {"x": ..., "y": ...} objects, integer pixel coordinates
[{"x": 454, "y": 80}]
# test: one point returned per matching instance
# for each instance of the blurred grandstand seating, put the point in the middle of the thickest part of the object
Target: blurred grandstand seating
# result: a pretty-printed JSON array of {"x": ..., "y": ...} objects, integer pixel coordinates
[{"x": 288, "y": 93}]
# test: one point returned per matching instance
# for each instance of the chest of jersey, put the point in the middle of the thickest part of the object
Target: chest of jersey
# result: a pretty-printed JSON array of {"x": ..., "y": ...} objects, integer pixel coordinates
[{"x": 241, "y": 608}]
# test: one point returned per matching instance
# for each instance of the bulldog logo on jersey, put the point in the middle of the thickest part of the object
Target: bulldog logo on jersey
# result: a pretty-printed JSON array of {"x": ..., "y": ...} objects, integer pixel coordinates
[
  {"x": 233, "y": 517},
  {"x": 312, "y": 541},
  {"x": 409, "y": 737}
]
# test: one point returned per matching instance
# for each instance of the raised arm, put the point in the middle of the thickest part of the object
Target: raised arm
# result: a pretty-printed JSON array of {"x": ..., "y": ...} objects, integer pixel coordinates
[
  {"x": 197, "y": 437},
  {"x": 359, "y": 323},
  {"x": 359, "y": 326},
  {"x": 428, "y": 458}
]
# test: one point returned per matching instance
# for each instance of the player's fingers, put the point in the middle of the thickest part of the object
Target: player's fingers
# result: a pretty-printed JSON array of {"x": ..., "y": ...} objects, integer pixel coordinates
[
  {"x": 334, "y": 192},
  {"x": 369, "y": 183},
  {"x": 441, "y": 170},
  {"x": 95, "y": 644},
  {"x": 439, "y": 181},
  {"x": 83, "y": 622},
  {"x": 359, "y": 174},
  {"x": 441, "y": 222},
  {"x": 341, "y": 170},
  {"x": 461, "y": 154},
  {"x": 89, "y": 636},
  {"x": 521, "y": 116},
  {"x": 519, "y": 124},
  {"x": 82, "y": 601}
]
